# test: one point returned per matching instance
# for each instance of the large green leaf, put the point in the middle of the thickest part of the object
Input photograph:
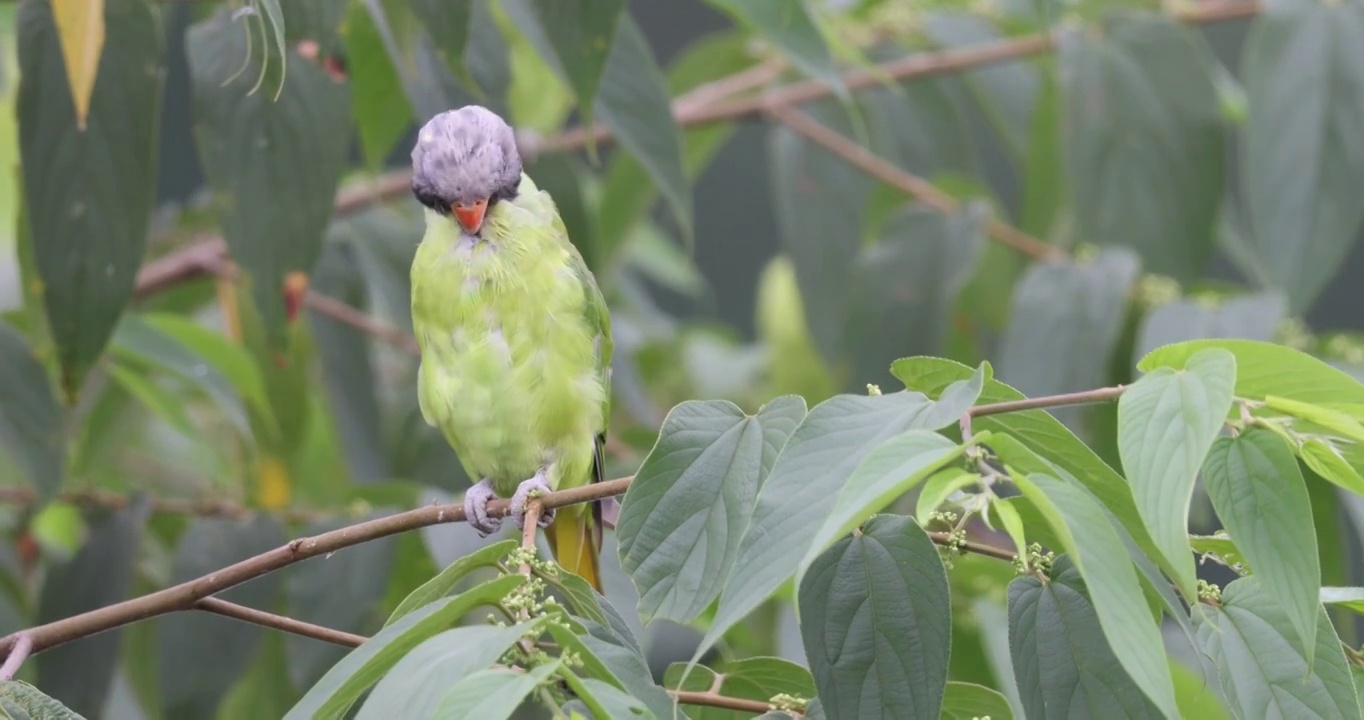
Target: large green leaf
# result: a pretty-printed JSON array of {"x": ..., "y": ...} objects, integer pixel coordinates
[
  {"x": 363, "y": 666},
  {"x": 1065, "y": 321},
  {"x": 817, "y": 460},
  {"x": 886, "y": 473},
  {"x": 442, "y": 583},
  {"x": 89, "y": 193},
  {"x": 1064, "y": 665},
  {"x": 184, "y": 639},
  {"x": 758, "y": 678},
  {"x": 619, "y": 653},
  {"x": 1167, "y": 420},
  {"x": 686, "y": 511},
  {"x": 272, "y": 165},
  {"x": 1145, "y": 140},
  {"x": 919, "y": 125},
  {"x": 1248, "y": 317},
  {"x": 413, "y": 688},
  {"x": 1097, "y": 550},
  {"x": 1264, "y": 369},
  {"x": 1007, "y": 93},
  {"x": 447, "y": 24},
  {"x": 904, "y": 286},
  {"x": 31, "y": 422},
  {"x": 80, "y": 673},
  {"x": 380, "y": 107},
  {"x": 1248, "y": 637},
  {"x": 1304, "y": 79},
  {"x": 790, "y": 26},
  {"x": 968, "y": 701},
  {"x": 21, "y": 701},
  {"x": 492, "y": 693},
  {"x": 876, "y": 623},
  {"x": 575, "y": 38},
  {"x": 1255, "y": 485}
]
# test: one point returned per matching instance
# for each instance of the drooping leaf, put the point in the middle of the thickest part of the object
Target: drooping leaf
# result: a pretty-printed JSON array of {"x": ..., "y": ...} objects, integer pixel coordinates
[
  {"x": 758, "y": 678},
  {"x": 919, "y": 125},
  {"x": 876, "y": 622},
  {"x": 493, "y": 693},
  {"x": 968, "y": 701},
  {"x": 80, "y": 23},
  {"x": 904, "y": 286},
  {"x": 1255, "y": 485},
  {"x": 887, "y": 472},
  {"x": 184, "y": 639},
  {"x": 380, "y": 107},
  {"x": 416, "y": 684},
  {"x": 21, "y": 701},
  {"x": 790, "y": 26},
  {"x": 1145, "y": 140},
  {"x": 1063, "y": 664},
  {"x": 88, "y": 192},
  {"x": 444, "y": 582},
  {"x": 686, "y": 511},
  {"x": 31, "y": 422},
  {"x": 1250, "y": 641},
  {"x": 1167, "y": 420},
  {"x": 575, "y": 38},
  {"x": 363, "y": 666},
  {"x": 818, "y": 458},
  {"x": 1008, "y": 93},
  {"x": 257, "y": 151},
  {"x": 1065, "y": 322},
  {"x": 619, "y": 653},
  {"x": 447, "y": 24},
  {"x": 1304, "y": 82},
  {"x": 1098, "y": 552},
  {"x": 1249, "y": 317},
  {"x": 80, "y": 673},
  {"x": 339, "y": 591}
]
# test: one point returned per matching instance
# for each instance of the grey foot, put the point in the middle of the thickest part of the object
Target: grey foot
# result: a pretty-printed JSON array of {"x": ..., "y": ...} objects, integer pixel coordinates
[
  {"x": 535, "y": 485},
  {"x": 476, "y": 508}
]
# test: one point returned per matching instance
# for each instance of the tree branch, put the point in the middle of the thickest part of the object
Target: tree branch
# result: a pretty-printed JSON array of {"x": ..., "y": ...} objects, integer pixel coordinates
[
  {"x": 710, "y": 699},
  {"x": 278, "y": 622}
]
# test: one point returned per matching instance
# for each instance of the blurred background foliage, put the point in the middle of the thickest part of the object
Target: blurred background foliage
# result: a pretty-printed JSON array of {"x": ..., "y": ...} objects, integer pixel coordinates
[{"x": 205, "y": 234}]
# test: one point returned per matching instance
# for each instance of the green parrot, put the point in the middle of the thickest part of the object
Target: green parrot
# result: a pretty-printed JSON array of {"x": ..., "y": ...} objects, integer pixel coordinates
[{"x": 515, "y": 336}]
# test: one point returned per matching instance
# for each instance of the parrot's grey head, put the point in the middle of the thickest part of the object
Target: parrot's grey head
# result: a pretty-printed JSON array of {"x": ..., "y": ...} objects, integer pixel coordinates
[{"x": 464, "y": 162}]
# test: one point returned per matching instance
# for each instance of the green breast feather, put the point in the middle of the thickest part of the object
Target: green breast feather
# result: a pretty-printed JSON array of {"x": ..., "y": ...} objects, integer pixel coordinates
[{"x": 516, "y": 344}]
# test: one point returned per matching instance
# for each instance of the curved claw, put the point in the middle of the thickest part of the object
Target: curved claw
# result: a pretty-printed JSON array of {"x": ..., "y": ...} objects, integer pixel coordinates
[
  {"x": 476, "y": 508},
  {"x": 535, "y": 486}
]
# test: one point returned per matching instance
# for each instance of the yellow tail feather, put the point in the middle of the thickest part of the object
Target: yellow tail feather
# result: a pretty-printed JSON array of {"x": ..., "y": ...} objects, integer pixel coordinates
[{"x": 576, "y": 543}]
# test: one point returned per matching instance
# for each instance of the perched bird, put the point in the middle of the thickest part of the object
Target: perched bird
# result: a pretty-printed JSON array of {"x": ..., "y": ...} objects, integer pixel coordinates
[{"x": 514, "y": 333}]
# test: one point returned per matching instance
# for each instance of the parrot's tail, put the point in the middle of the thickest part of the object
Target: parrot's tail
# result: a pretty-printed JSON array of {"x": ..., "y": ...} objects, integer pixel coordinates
[
  {"x": 575, "y": 535},
  {"x": 571, "y": 539}
]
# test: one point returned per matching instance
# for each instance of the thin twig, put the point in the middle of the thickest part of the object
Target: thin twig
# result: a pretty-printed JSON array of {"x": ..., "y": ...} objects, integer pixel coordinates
[
  {"x": 971, "y": 546},
  {"x": 532, "y": 520},
  {"x": 232, "y": 610},
  {"x": 23, "y": 645},
  {"x": 1076, "y": 398},
  {"x": 710, "y": 699},
  {"x": 360, "y": 320}
]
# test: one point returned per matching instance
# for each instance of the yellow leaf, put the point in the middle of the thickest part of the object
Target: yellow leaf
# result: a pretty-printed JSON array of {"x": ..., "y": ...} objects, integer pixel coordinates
[
  {"x": 273, "y": 489},
  {"x": 80, "y": 23}
]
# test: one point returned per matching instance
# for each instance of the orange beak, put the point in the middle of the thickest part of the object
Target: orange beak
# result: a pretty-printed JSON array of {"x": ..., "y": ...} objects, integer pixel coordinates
[{"x": 471, "y": 216}]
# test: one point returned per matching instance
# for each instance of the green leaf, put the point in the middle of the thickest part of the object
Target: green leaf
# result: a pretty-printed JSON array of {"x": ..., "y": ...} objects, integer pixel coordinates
[
  {"x": 1327, "y": 461},
  {"x": 494, "y": 693},
  {"x": 416, "y": 684},
  {"x": 1350, "y": 597},
  {"x": 686, "y": 511},
  {"x": 1304, "y": 79},
  {"x": 447, "y": 24},
  {"x": 816, "y": 462},
  {"x": 1264, "y": 368},
  {"x": 634, "y": 103},
  {"x": 604, "y": 699},
  {"x": 790, "y": 25},
  {"x": 1249, "y": 317},
  {"x": 81, "y": 673},
  {"x": 904, "y": 286},
  {"x": 184, "y": 639},
  {"x": 876, "y": 622},
  {"x": 272, "y": 165},
  {"x": 1065, "y": 323},
  {"x": 968, "y": 701},
  {"x": 378, "y": 103},
  {"x": 615, "y": 648},
  {"x": 1008, "y": 93},
  {"x": 31, "y": 422},
  {"x": 161, "y": 402},
  {"x": 1264, "y": 673},
  {"x": 1063, "y": 663},
  {"x": 1145, "y": 144},
  {"x": 1038, "y": 433},
  {"x": 575, "y": 38},
  {"x": 1098, "y": 551},
  {"x": 886, "y": 473},
  {"x": 88, "y": 194},
  {"x": 340, "y": 591},
  {"x": 1333, "y": 420},
  {"x": 1255, "y": 485},
  {"x": 21, "y": 701},
  {"x": 363, "y": 666},
  {"x": 444, "y": 582},
  {"x": 1167, "y": 420},
  {"x": 758, "y": 678},
  {"x": 938, "y": 487}
]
